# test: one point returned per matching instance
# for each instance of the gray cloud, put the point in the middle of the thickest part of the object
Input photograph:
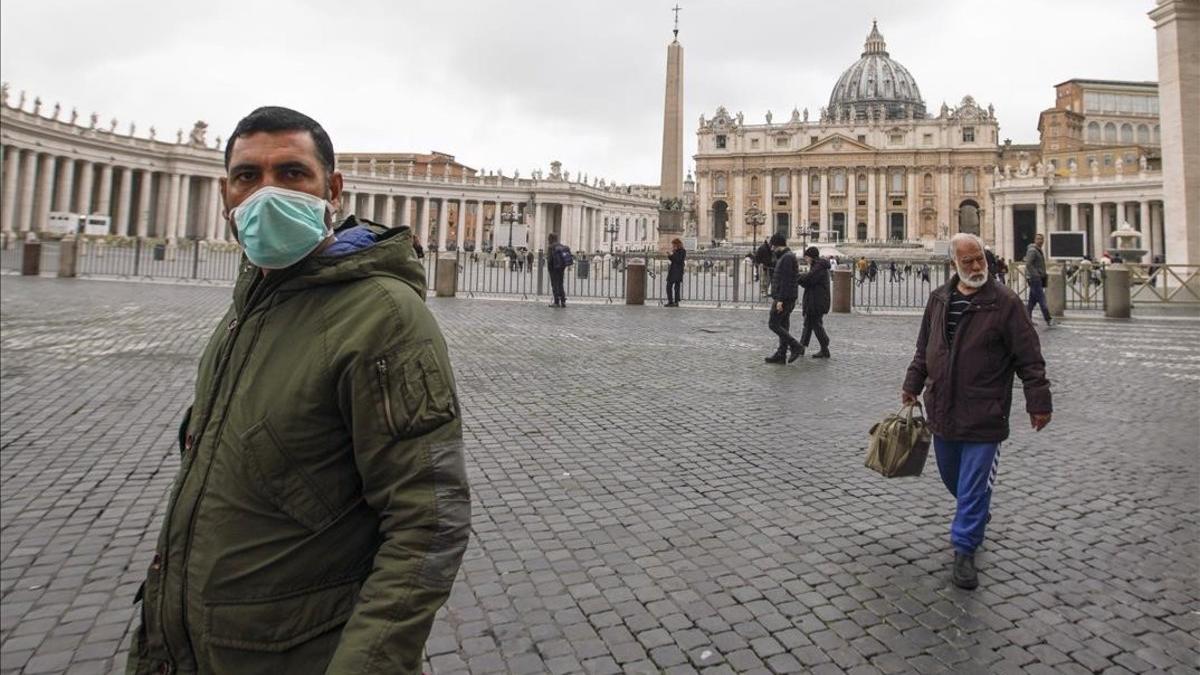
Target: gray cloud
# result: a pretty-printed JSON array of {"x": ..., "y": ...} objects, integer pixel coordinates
[{"x": 516, "y": 84}]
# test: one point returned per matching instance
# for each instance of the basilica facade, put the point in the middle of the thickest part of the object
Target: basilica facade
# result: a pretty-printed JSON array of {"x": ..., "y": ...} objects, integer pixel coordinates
[{"x": 875, "y": 165}]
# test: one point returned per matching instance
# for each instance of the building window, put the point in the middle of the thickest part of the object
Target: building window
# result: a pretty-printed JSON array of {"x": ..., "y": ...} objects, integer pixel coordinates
[
  {"x": 839, "y": 182},
  {"x": 720, "y": 142},
  {"x": 754, "y": 143},
  {"x": 862, "y": 184},
  {"x": 897, "y": 183},
  {"x": 814, "y": 183},
  {"x": 1127, "y": 133},
  {"x": 1110, "y": 133},
  {"x": 1108, "y": 160},
  {"x": 812, "y": 140},
  {"x": 928, "y": 182},
  {"x": 927, "y": 139},
  {"x": 1093, "y": 132},
  {"x": 781, "y": 184},
  {"x": 1129, "y": 160},
  {"x": 781, "y": 142},
  {"x": 968, "y": 181},
  {"x": 753, "y": 185},
  {"x": 1156, "y": 136},
  {"x": 862, "y": 138},
  {"x": 896, "y": 139},
  {"x": 1143, "y": 133},
  {"x": 968, "y": 134},
  {"x": 720, "y": 187}
]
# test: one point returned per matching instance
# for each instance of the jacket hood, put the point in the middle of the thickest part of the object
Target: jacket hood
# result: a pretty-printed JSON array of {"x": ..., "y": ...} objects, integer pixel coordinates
[
  {"x": 392, "y": 255},
  {"x": 820, "y": 264}
]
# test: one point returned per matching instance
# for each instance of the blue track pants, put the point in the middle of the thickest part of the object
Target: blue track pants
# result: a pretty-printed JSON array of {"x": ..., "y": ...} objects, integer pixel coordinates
[{"x": 969, "y": 471}]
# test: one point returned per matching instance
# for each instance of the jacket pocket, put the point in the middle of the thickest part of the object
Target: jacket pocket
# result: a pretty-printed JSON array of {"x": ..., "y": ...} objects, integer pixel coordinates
[
  {"x": 284, "y": 480},
  {"x": 985, "y": 404},
  {"x": 414, "y": 392}
]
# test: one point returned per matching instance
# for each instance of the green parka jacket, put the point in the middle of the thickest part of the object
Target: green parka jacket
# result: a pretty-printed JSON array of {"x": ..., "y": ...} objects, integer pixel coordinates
[{"x": 321, "y": 508}]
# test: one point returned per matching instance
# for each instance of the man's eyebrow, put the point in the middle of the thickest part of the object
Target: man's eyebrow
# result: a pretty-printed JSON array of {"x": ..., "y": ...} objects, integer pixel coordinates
[
  {"x": 291, "y": 165},
  {"x": 243, "y": 166}
]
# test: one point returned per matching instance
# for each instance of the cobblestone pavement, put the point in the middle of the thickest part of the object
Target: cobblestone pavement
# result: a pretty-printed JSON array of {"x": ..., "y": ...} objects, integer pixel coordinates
[{"x": 650, "y": 496}]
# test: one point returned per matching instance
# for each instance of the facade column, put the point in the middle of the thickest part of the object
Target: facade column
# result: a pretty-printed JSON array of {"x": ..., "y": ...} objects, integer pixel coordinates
[
  {"x": 143, "y": 212},
  {"x": 1146, "y": 229},
  {"x": 104, "y": 199},
  {"x": 171, "y": 231},
  {"x": 945, "y": 212},
  {"x": 824, "y": 227},
  {"x": 1007, "y": 235},
  {"x": 851, "y": 204},
  {"x": 872, "y": 206},
  {"x": 12, "y": 165},
  {"x": 804, "y": 198},
  {"x": 881, "y": 191},
  {"x": 1075, "y": 217},
  {"x": 389, "y": 210},
  {"x": 423, "y": 221},
  {"x": 185, "y": 213},
  {"x": 912, "y": 228},
  {"x": 66, "y": 185},
  {"x": 1097, "y": 229},
  {"x": 443, "y": 223},
  {"x": 83, "y": 201},
  {"x": 348, "y": 206},
  {"x": 460, "y": 231},
  {"x": 739, "y": 207},
  {"x": 566, "y": 223},
  {"x": 405, "y": 204},
  {"x": 796, "y": 222},
  {"x": 1040, "y": 217},
  {"x": 209, "y": 229},
  {"x": 479, "y": 226},
  {"x": 582, "y": 212},
  {"x": 124, "y": 195},
  {"x": 369, "y": 211},
  {"x": 28, "y": 172},
  {"x": 45, "y": 193}
]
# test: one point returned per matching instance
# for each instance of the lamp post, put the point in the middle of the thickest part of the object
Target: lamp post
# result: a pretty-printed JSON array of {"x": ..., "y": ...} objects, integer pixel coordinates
[
  {"x": 611, "y": 229},
  {"x": 755, "y": 219},
  {"x": 510, "y": 218}
]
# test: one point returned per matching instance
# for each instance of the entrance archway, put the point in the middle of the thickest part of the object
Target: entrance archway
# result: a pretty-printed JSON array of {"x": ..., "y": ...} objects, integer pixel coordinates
[
  {"x": 968, "y": 217},
  {"x": 896, "y": 229},
  {"x": 1024, "y": 228},
  {"x": 720, "y": 220}
]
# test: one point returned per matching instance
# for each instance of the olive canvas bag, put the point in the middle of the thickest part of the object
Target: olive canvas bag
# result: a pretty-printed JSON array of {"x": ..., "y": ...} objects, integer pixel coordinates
[{"x": 900, "y": 443}]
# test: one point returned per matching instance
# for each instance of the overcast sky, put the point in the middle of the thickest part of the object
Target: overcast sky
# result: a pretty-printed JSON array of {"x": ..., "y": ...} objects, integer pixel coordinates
[{"x": 517, "y": 84}]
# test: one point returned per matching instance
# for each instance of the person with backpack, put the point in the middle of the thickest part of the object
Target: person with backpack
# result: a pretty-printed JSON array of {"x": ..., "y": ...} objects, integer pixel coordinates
[{"x": 557, "y": 262}]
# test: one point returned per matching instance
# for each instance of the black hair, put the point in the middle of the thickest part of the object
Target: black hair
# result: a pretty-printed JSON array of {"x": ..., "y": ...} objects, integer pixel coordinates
[
  {"x": 778, "y": 239},
  {"x": 552, "y": 238},
  {"x": 273, "y": 118}
]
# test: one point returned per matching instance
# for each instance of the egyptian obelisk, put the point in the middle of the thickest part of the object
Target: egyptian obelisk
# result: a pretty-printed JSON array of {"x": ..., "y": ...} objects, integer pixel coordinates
[{"x": 670, "y": 214}]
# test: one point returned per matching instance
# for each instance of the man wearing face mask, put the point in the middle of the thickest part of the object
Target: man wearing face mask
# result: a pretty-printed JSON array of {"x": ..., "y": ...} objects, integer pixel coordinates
[
  {"x": 321, "y": 508},
  {"x": 974, "y": 337}
]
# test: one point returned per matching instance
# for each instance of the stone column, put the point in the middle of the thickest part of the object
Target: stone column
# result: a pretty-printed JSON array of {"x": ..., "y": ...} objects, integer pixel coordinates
[
  {"x": 739, "y": 208},
  {"x": 1177, "y": 28},
  {"x": 881, "y": 191},
  {"x": 124, "y": 195},
  {"x": 872, "y": 206},
  {"x": 143, "y": 213},
  {"x": 945, "y": 212},
  {"x": 582, "y": 212},
  {"x": 1075, "y": 217},
  {"x": 12, "y": 165},
  {"x": 1097, "y": 229},
  {"x": 369, "y": 207},
  {"x": 212, "y": 208},
  {"x": 824, "y": 199},
  {"x": 83, "y": 201},
  {"x": 66, "y": 185},
  {"x": 804, "y": 198},
  {"x": 171, "y": 231},
  {"x": 443, "y": 222},
  {"x": 1040, "y": 217},
  {"x": 1146, "y": 230},
  {"x": 45, "y": 192},
  {"x": 348, "y": 206},
  {"x": 460, "y": 231},
  {"x": 851, "y": 204},
  {"x": 28, "y": 172},
  {"x": 565, "y": 225},
  {"x": 423, "y": 221},
  {"x": 185, "y": 213},
  {"x": 912, "y": 198},
  {"x": 405, "y": 205},
  {"x": 104, "y": 199},
  {"x": 795, "y": 197},
  {"x": 479, "y": 226},
  {"x": 389, "y": 210}
]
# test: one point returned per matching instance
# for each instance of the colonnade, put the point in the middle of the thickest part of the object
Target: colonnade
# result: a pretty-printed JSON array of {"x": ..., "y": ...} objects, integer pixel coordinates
[{"x": 1097, "y": 218}]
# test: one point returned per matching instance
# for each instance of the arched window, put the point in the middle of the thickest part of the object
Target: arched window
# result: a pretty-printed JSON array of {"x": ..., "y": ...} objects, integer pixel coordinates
[
  {"x": 814, "y": 183},
  {"x": 720, "y": 187},
  {"x": 1093, "y": 132},
  {"x": 968, "y": 181},
  {"x": 1143, "y": 133},
  {"x": 927, "y": 182},
  {"x": 968, "y": 217},
  {"x": 1157, "y": 138},
  {"x": 897, "y": 184},
  {"x": 753, "y": 185},
  {"x": 1127, "y": 133},
  {"x": 1110, "y": 133},
  {"x": 862, "y": 183},
  {"x": 839, "y": 182},
  {"x": 781, "y": 184}
]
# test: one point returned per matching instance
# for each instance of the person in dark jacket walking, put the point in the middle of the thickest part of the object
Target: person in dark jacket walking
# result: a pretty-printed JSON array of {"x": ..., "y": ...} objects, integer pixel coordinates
[
  {"x": 974, "y": 337},
  {"x": 764, "y": 264},
  {"x": 1035, "y": 274},
  {"x": 675, "y": 272},
  {"x": 784, "y": 293},
  {"x": 816, "y": 301},
  {"x": 557, "y": 269}
]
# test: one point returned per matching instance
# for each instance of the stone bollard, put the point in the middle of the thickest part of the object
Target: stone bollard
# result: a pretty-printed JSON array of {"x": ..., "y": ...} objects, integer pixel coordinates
[
  {"x": 31, "y": 256},
  {"x": 635, "y": 282},
  {"x": 446, "y": 281},
  {"x": 1056, "y": 291},
  {"x": 841, "y": 291},
  {"x": 1116, "y": 292},
  {"x": 68, "y": 256}
]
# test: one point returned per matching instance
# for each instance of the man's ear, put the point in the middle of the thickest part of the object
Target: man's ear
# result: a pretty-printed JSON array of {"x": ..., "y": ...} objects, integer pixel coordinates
[
  {"x": 223, "y": 184},
  {"x": 336, "y": 183}
]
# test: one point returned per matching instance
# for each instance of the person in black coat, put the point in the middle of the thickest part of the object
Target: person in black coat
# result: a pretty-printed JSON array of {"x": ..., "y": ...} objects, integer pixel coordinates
[
  {"x": 784, "y": 294},
  {"x": 675, "y": 272},
  {"x": 764, "y": 263},
  {"x": 816, "y": 301}
]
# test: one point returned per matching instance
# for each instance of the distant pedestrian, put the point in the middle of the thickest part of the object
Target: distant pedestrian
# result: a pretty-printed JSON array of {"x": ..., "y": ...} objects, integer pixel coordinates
[
  {"x": 816, "y": 301},
  {"x": 675, "y": 272},
  {"x": 862, "y": 266},
  {"x": 784, "y": 293},
  {"x": 420, "y": 250},
  {"x": 1035, "y": 274},
  {"x": 893, "y": 272},
  {"x": 974, "y": 337},
  {"x": 1002, "y": 271},
  {"x": 924, "y": 272},
  {"x": 764, "y": 263},
  {"x": 993, "y": 265},
  {"x": 558, "y": 258},
  {"x": 872, "y": 271}
]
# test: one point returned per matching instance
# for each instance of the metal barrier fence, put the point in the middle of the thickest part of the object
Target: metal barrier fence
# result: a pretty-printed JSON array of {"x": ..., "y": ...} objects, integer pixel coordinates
[
  {"x": 153, "y": 259},
  {"x": 897, "y": 284},
  {"x": 1164, "y": 284}
]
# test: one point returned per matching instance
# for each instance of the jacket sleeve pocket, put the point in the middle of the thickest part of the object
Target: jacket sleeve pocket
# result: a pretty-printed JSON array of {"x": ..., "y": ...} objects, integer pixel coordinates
[
  {"x": 285, "y": 481},
  {"x": 413, "y": 390}
]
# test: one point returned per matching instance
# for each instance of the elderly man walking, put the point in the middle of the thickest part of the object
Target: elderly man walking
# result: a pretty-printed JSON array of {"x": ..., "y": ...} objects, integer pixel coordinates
[{"x": 974, "y": 336}]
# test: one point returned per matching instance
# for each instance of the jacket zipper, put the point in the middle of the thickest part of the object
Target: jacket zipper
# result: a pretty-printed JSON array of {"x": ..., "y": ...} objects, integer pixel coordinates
[{"x": 381, "y": 367}]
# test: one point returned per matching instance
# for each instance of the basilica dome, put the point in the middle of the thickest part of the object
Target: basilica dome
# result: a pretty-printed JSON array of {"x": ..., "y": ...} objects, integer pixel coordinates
[{"x": 875, "y": 87}]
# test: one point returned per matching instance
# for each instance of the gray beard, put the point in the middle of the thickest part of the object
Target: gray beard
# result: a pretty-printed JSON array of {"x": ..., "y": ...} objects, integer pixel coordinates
[{"x": 971, "y": 283}]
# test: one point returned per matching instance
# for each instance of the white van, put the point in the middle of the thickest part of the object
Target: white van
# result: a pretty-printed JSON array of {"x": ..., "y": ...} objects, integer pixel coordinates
[{"x": 61, "y": 224}]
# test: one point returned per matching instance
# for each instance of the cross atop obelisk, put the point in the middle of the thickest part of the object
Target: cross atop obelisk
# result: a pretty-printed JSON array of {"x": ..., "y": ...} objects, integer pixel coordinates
[{"x": 676, "y": 9}]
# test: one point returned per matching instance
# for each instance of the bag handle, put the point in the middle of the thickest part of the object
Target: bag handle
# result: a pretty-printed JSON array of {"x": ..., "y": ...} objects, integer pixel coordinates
[{"x": 909, "y": 408}]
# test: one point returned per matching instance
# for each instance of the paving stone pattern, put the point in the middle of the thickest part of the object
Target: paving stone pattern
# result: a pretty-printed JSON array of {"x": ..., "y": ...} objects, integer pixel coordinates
[{"x": 649, "y": 496}]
